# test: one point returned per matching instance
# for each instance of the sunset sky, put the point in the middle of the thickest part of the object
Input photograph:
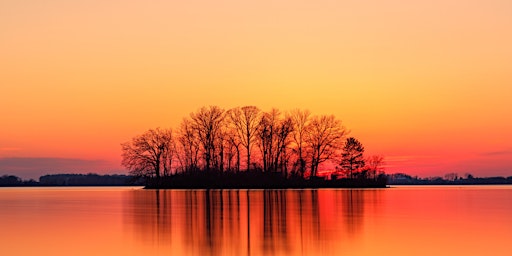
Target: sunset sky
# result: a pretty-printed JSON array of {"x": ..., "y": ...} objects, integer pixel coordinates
[{"x": 427, "y": 84}]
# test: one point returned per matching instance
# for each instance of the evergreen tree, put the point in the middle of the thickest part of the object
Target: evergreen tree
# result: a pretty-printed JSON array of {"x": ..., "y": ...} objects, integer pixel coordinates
[{"x": 352, "y": 157}]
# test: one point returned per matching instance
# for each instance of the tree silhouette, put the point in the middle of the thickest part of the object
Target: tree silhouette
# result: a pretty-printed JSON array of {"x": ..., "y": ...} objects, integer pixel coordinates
[
  {"x": 149, "y": 154},
  {"x": 233, "y": 148},
  {"x": 352, "y": 156},
  {"x": 207, "y": 123},
  {"x": 300, "y": 121},
  {"x": 323, "y": 137},
  {"x": 273, "y": 138},
  {"x": 373, "y": 165},
  {"x": 189, "y": 147},
  {"x": 245, "y": 121}
]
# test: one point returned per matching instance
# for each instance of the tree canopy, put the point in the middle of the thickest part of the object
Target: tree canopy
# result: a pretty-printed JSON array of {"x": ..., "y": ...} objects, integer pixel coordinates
[
  {"x": 212, "y": 139},
  {"x": 352, "y": 158}
]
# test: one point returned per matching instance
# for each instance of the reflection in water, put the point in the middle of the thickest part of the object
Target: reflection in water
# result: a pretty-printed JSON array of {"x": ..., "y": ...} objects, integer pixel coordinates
[
  {"x": 353, "y": 212},
  {"x": 420, "y": 221},
  {"x": 242, "y": 222}
]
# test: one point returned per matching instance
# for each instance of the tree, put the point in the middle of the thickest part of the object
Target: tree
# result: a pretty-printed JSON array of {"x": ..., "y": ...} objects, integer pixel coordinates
[
  {"x": 207, "y": 123},
  {"x": 189, "y": 146},
  {"x": 373, "y": 164},
  {"x": 266, "y": 137},
  {"x": 273, "y": 134},
  {"x": 245, "y": 120},
  {"x": 323, "y": 137},
  {"x": 232, "y": 150},
  {"x": 221, "y": 147},
  {"x": 170, "y": 154},
  {"x": 283, "y": 131},
  {"x": 300, "y": 121},
  {"x": 352, "y": 156},
  {"x": 451, "y": 176},
  {"x": 149, "y": 154}
]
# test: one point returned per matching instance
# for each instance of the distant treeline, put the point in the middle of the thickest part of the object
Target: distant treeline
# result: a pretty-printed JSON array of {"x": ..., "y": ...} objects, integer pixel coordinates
[
  {"x": 449, "y": 179},
  {"x": 11, "y": 180},
  {"x": 72, "y": 180},
  {"x": 251, "y": 179}
]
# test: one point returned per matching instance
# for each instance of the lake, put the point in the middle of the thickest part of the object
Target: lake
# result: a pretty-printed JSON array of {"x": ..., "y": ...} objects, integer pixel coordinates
[{"x": 405, "y": 220}]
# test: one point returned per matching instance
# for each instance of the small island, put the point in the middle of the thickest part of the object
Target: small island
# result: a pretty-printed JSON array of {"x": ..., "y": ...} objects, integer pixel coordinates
[
  {"x": 245, "y": 147},
  {"x": 258, "y": 180}
]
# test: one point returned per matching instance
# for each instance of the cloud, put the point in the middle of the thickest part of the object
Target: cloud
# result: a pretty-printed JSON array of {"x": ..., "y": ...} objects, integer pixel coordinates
[
  {"x": 33, "y": 167},
  {"x": 497, "y": 153}
]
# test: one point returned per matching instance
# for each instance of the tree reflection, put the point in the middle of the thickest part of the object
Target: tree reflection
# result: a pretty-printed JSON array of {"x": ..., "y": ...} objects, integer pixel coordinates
[
  {"x": 275, "y": 222},
  {"x": 353, "y": 210},
  {"x": 234, "y": 222}
]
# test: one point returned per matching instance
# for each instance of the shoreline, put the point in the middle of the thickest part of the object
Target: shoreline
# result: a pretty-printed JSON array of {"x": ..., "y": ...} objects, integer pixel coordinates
[{"x": 257, "y": 188}]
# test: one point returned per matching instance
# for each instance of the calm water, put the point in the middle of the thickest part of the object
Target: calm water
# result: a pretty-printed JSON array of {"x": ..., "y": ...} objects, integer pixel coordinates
[{"x": 474, "y": 220}]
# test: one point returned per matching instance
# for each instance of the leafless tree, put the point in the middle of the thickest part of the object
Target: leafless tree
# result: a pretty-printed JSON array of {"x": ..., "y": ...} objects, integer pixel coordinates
[
  {"x": 189, "y": 145},
  {"x": 266, "y": 137},
  {"x": 149, "y": 154},
  {"x": 451, "y": 176},
  {"x": 207, "y": 123},
  {"x": 323, "y": 138},
  {"x": 245, "y": 121},
  {"x": 374, "y": 166},
  {"x": 170, "y": 154},
  {"x": 300, "y": 123},
  {"x": 273, "y": 137},
  {"x": 234, "y": 143},
  {"x": 284, "y": 129},
  {"x": 221, "y": 146}
]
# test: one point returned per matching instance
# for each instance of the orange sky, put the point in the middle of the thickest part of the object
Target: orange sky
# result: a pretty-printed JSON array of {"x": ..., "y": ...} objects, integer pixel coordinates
[{"x": 427, "y": 84}]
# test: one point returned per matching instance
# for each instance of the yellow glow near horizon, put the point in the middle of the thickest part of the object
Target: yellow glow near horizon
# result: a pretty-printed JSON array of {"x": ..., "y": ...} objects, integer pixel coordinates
[{"x": 410, "y": 79}]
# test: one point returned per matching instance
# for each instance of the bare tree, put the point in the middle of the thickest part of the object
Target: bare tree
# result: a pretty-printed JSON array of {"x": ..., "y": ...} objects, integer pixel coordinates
[
  {"x": 373, "y": 164},
  {"x": 352, "y": 158},
  {"x": 284, "y": 129},
  {"x": 266, "y": 137},
  {"x": 189, "y": 145},
  {"x": 170, "y": 154},
  {"x": 273, "y": 134},
  {"x": 300, "y": 120},
  {"x": 234, "y": 143},
  {"x": 323, "y": 137},
  {"x": 451, "y": 176},
  {"x": 245, "y": 120},
  {"x": 149, "y": 154},
  {"x": 221, "y": 146},
  {"x": 207, "y": 123}
]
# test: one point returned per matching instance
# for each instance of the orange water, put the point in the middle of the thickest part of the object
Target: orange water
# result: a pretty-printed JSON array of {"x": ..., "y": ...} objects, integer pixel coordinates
[{"x": 473, "y": 220}]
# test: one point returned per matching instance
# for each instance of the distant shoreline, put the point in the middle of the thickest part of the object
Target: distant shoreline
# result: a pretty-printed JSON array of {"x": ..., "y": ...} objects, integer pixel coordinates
[
  {"x": 404, "y": 179},
  {"x": 242, "y": 180},
  {"x": 275, "y": 187},
  {"x": 250, "y": 188}
]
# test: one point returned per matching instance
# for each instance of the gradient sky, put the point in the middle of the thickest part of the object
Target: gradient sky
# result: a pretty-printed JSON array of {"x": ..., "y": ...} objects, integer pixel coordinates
[{"x": 427, "y": 84}]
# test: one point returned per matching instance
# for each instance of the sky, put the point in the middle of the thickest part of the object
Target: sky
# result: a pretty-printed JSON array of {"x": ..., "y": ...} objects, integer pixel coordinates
[{"x": 426, "y": 84}]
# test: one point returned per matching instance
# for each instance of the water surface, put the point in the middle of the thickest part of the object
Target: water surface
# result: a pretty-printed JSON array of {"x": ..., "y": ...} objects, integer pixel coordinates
[{"x": 470, "y": 220}]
